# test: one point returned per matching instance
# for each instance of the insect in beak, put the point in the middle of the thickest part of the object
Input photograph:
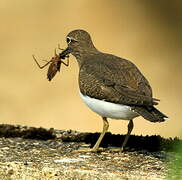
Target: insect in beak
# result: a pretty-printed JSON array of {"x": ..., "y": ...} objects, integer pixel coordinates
[{"x": 55, "y": 63}]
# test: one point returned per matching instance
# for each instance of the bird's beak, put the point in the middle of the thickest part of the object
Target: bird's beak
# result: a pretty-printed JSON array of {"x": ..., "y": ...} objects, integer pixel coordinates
[{"x": 64, "y": 53}]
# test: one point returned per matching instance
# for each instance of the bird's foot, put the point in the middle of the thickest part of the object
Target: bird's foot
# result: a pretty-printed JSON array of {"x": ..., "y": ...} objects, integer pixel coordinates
[
  {"x": 87, "y": 150},
  {"x": 116, "y": 149}
]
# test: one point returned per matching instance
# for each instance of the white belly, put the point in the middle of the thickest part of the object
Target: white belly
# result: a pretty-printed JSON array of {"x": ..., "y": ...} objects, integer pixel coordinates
[{"x": 108, "y": 109}]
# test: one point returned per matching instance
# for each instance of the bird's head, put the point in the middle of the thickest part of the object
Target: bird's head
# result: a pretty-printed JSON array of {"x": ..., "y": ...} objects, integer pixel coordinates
[{"x": 79, "y": 42}]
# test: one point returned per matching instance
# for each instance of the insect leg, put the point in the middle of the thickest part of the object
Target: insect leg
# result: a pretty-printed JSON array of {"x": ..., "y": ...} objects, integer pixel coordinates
[{"x": 41, "y": 67}]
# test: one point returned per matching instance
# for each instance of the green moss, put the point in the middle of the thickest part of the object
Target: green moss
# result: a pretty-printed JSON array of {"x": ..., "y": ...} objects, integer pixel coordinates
[{"x": 175, "y": 165}]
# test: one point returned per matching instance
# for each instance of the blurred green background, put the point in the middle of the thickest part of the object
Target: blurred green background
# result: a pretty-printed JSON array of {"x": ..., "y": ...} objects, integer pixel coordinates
[{"x": 147, "y": 32}]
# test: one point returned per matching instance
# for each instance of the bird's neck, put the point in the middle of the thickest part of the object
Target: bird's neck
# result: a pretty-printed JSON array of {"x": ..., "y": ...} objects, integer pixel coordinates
[{"x": 82, "y": 54}]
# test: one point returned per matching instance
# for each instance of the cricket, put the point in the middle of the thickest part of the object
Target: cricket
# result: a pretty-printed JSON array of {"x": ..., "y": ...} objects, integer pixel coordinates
[{"x": 54, "y": 63}]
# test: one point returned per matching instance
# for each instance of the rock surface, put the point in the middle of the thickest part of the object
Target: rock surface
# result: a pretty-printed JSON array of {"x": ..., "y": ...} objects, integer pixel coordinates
[{"x": 43, "y": 154}]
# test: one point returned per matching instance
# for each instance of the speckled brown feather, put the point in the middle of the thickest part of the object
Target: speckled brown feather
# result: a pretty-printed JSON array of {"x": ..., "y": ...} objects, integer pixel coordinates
[{"x": 110, "y": 78}]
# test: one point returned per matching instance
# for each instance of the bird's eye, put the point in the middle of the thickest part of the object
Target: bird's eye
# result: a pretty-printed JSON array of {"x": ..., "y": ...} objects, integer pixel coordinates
[{"x": 68, "y": 40}]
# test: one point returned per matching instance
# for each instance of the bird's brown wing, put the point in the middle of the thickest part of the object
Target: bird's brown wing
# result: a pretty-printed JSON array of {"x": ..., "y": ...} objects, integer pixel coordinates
[{"x": 113, "y": 79}]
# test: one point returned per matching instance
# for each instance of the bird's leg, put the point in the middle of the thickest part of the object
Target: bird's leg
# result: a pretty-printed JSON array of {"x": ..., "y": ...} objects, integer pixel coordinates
[
  {"x": 96, "y": 146},
  {"x": 130, "y": 128},
  {"x": 105, "y": 128}
]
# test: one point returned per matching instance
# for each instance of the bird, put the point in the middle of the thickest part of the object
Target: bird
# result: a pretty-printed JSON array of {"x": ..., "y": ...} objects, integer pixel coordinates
[{"x": 111, "y": 86}]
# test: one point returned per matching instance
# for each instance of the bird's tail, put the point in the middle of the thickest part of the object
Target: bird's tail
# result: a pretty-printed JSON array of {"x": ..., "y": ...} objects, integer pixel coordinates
[{"x": 150, "y": 113}]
